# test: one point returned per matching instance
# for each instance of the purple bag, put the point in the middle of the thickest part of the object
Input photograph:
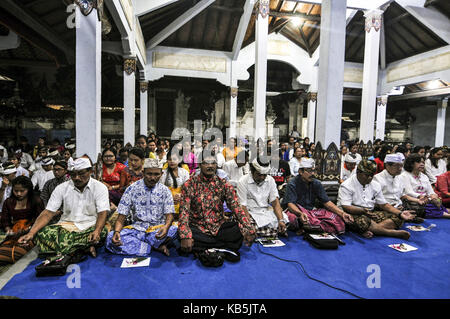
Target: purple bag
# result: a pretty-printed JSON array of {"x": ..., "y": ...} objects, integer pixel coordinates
[{"x": 432, "y": 211}]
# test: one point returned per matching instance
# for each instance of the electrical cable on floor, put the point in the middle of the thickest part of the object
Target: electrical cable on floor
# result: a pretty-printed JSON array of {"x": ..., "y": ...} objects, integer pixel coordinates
[{"x": 307, "y": 275}]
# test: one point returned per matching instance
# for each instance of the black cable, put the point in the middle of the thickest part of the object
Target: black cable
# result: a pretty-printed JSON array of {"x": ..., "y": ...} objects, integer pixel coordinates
[{"x": 307, "y": 275}]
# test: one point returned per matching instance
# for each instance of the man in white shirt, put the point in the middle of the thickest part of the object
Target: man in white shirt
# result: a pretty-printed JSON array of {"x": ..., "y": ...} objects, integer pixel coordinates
[
  {"x": 25, "y": 159},
  {"x": 359, "y": 195},
  {"x": 237, "y": 167},
  {"x": 44, "y": 174},
  {"x": 258, "y": 196},
  {"x": 85, "y": 203},
  {"x": 349, "y": 167},
  {"x": 7, "y": 173},
  {"x": 393, "y": 185},
  {"x": 37, "y": 164}
]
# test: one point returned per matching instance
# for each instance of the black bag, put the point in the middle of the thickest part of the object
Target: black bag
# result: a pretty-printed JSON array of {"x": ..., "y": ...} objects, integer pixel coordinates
[
  {"x": 59, "y": 266},
  {"x": 322, "y": 241}
]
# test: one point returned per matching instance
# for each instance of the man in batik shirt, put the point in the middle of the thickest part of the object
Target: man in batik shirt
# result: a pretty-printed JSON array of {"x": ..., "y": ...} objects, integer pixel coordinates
[
  {"x": 202, "y": 224},
  {"x": 150, "y": 204}
]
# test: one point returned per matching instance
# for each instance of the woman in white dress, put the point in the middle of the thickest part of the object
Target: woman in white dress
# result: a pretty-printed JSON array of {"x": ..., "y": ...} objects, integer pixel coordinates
[
  {"x": 435, "y": 165},
  {"x": 174, "y": 176},
  {"x": 418, "y": 186}
]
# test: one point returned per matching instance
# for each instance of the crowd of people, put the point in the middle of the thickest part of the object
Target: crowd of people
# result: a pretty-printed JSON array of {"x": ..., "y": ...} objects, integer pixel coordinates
[{"x": 206, "y": 198}]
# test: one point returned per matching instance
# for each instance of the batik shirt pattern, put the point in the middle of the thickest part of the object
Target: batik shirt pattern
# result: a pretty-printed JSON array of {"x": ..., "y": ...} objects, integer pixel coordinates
[
  {"x": 202, "y": 206},
  {"x": 147, "y": 206}
]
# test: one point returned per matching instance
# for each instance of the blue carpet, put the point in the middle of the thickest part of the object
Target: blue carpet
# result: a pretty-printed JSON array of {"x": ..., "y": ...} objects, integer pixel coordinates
[{"x": 424, "y": 273}]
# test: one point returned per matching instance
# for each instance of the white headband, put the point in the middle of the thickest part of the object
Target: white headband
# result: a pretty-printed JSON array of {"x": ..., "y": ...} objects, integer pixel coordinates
[
  {"x": 394, "y": 158},
  {"x": 261, "y": 169},
  {"x": 152, "y": 163},
  {"x": 78, "y": 164},
  {"x": 307, "y": 163},
  {"x": 350, "y": 158},
  {"x": 48, "y": 161}
]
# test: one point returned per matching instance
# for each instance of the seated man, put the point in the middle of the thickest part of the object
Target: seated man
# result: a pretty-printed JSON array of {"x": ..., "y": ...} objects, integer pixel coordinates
[
  {"x": 301, "y": 195},
  {"x": 85, "y": 205},
  {"x": 358, "y": 196},
  {"x": 256, "y": 192},
  {"x": 8, "y": 174},
  {"x": 202, "y": 224},
  {"x": 349, "y": 167},
  {"x": 237, "y": 167},
  {"x": 393, "y": 185},
  {"x": 44, "y": 174},
  {"x": 150, "y": 204}
]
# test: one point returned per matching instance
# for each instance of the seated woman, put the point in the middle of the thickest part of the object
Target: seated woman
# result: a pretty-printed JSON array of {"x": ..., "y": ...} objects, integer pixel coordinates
[
  {"x": 134, "y": 171},
  {"x": 18, "y": 214},
  {"x": 435, "y": 165},
  {"x": 379, "y": 159},
  {"x": 174, "y": 177},
  {"x": 190, "y": 159},
  {"x": 161, "y": 154},
  {"x": 111, "y": 174},
  {"x": 443, "y": 187},
  {"x": 417, "y": 185},
  {"x": 294, "y": 162}
]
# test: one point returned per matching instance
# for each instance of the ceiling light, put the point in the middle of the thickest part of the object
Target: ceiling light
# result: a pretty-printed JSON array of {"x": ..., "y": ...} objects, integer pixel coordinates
[
  {"x": 432, "y": 85},
  {"x": 296, "y": 21}
]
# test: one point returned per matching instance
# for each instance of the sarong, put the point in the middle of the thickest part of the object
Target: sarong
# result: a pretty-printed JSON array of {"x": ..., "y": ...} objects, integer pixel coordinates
[
  {"x": 328, "y": 221},
  {"x": 139, "y": 243},
  {"x": 10, "y": 250},
  {"x": 54, "y": 239},
  {"x": 362, "y": 222},
  {"x": 229, "y": 237}
]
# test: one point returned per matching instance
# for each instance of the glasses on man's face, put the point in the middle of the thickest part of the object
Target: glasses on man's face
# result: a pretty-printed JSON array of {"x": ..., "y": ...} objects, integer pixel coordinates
[
  {"x": 310, "y": 170},
  {"x": 57, "y": 169},
  {"x": 209, "y": 162}
]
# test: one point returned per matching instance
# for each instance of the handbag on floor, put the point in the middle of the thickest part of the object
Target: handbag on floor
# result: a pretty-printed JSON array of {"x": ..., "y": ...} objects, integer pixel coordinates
[
  {"x": 322, "y": 241},
  {"x": 58, "y": 266}
]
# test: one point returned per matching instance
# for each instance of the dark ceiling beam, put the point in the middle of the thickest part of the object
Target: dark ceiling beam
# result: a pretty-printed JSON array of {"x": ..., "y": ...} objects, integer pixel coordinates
[
  {"x": 280, "y": 4},
  {"x": 418, "y": 95},
  {"x": 226, "y": 9},
  {"x": 287, "y": 15},
  {"x": 30, "y": 19},
  {"x": 31, "y": 36},
  {"x": 28, "y": 63},
  {"x": 396, "y": 19},
  {"x": 302, "y": 34}
]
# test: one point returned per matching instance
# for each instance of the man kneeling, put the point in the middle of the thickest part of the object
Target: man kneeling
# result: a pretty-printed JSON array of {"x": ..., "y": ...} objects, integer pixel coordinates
[
  {"x": 81, "y": 227},
  {"x": 203, "y": 226},
  {"x": 358, "y": 196},
  {"x": 151, "y": 206}
]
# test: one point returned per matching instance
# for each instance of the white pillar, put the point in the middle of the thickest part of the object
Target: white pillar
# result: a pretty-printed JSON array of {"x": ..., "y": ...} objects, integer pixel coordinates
[
  {"x": 440, "y": 123},
  {"x": 262, "y": 27},
  {"x": 144, "y": 108},
  {"x": 233, "y": 110},
  {"x": 381, "y": 117},
  {"x": 312, "y": 100},
  {"x": 331, "y": 72},
  {"x": 88, "y": 89},
  {"x": 129, "y": 100},
  {"x": 370, "y": 74}
]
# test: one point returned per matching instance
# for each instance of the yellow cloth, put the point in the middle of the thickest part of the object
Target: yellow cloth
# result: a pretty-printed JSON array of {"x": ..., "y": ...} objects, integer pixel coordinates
[
  {"x": 152, "y": 229},
  {"x": 176, "y": 191},
  {"x": 152, "y": 155},
  {"x": 166, "y": 165}
]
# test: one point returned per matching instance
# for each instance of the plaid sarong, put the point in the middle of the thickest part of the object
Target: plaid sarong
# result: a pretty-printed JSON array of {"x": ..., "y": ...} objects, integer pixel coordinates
[
  {"x": 54, "y": 239},
  {"x": 362, "y": 222}
]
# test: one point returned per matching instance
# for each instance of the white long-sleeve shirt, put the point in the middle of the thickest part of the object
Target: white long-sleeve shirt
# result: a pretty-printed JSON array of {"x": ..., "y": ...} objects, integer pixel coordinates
[{"x": 433, "y": 172}]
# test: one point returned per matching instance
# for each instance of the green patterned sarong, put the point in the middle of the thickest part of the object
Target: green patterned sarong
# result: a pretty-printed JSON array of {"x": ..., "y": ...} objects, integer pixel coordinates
[{"x": 54, "y": 239}]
